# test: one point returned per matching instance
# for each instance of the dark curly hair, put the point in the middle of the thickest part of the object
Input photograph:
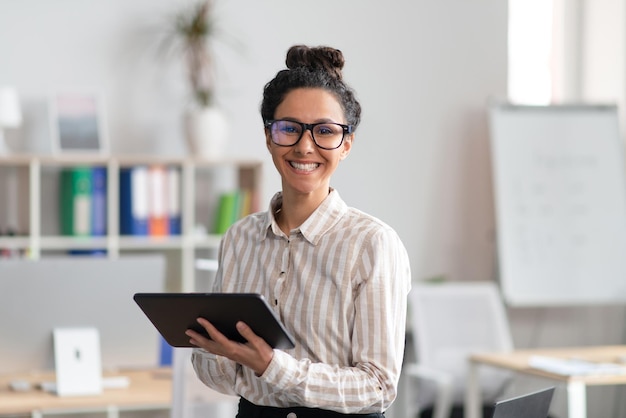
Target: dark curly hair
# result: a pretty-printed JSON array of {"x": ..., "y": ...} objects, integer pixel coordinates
[{"x": 311, "y": 67}]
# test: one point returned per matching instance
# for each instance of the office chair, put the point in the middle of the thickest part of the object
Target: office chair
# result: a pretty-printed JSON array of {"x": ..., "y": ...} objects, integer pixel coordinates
[
  {"x": 449, "y": 321},
  {"x": 190, "y": 397}
]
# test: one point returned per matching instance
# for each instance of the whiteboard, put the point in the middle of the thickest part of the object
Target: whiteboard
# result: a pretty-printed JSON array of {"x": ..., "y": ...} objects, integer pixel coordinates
[{"x": 560, "y": 203}]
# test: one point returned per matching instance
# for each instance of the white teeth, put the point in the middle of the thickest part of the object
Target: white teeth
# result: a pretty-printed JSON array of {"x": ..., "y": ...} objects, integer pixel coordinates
[{"x": 304, "y": 167}]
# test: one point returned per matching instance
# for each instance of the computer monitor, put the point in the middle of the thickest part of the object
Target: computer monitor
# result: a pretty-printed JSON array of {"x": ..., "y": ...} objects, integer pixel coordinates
[{"x": 37, "y": 296}]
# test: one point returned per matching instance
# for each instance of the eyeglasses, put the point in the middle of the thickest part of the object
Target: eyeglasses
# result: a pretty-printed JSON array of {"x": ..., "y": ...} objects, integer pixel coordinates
[{"x": 326, "y": 135}]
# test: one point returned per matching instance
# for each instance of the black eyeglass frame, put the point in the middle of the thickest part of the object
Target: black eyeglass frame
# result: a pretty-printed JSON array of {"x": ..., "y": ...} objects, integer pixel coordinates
[{"x": 347, "y": 129}]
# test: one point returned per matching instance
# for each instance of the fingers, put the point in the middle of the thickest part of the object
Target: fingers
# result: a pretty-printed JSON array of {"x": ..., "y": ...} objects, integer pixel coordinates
[
  {"x": 218, "y": 343},
  {"x": 255, "y": 353},
  {"x": 246, "y": 332},
  {"x": 215, "y": 336},
  {"x": 212, "y": 331},
  {"x": 202, "y": 341},
  {"x": 196, "y": 338}
]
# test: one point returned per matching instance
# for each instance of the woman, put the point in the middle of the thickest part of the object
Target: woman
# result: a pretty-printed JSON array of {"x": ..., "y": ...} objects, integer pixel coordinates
[{"x": 336, "y": 277}]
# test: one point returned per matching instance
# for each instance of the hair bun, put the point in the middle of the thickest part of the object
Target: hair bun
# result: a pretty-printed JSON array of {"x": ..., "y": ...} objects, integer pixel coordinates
[{"x": 317, "y": 58}]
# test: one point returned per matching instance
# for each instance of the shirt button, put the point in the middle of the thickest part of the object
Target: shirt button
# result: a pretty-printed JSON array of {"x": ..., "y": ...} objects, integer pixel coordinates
[{"x": 292, "y": 415}]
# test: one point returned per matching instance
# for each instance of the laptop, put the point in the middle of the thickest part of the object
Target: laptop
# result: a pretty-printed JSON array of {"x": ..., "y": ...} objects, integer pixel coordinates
[{"x": 531, "y": 405}]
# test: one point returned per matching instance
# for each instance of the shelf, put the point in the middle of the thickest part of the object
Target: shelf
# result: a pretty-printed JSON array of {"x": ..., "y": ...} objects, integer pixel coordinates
[
  {"x": 31, "y": 183},
  {"x": 14, "y": 242},
  {"x": 147, "y": 243},
  {"x": 86, "y": 159},
  {"x": 71, "y": 243}
]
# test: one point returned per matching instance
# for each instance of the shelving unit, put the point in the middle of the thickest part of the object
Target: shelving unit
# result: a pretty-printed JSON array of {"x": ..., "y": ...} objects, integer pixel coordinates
[{"x": 29, "y": 184}]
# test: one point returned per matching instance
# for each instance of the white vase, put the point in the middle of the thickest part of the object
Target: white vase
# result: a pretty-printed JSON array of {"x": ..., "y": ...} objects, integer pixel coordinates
[{"x": 206, "y": 130}]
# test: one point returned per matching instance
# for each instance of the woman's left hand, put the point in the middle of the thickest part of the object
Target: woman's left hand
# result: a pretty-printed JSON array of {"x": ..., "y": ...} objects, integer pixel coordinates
[{"x": 255, "y": 353}]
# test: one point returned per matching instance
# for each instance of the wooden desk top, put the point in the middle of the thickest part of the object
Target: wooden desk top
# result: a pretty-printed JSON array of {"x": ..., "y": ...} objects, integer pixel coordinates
[
  {"x": 518, "y": 360},
  {"x": 148, "y": 388}
]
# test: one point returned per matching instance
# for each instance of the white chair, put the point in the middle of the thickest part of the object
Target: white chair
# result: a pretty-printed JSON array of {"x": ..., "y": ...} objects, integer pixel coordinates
[
  {"x": 449, "y": 321},
  {"x": 190, "y": 397}
]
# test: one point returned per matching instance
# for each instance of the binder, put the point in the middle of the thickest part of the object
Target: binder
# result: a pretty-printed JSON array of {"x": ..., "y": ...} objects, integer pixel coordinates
[
  {"x": 157, "y": 214},
  {"x": 75, "y": 201},
  {"x": 99, "y": 201},
  {"x": 173, "y": 201},
  {"x": 134, "y": 200}
]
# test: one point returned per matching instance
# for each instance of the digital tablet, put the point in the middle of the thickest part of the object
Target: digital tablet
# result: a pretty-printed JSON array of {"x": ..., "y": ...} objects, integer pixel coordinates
[{"x": 174, "y": 313}]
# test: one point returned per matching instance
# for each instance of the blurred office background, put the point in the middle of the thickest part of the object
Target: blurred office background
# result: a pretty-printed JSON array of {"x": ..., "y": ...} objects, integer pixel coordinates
[{"x": 424, "y": 72}]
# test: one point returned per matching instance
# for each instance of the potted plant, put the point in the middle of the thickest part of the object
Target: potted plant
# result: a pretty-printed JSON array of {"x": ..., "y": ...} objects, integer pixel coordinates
[{"x": 205, "y": 125}]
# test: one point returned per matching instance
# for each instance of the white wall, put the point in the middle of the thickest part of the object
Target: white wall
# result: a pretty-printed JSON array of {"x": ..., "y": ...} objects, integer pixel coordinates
[{"x": 422, "y": 70}]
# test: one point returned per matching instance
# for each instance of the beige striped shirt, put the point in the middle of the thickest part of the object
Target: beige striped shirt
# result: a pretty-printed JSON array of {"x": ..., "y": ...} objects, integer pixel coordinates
[{"x": 339, "y": 283}]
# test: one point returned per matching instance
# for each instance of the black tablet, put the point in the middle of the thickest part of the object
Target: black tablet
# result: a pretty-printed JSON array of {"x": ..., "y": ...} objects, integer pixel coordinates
[{"x": 173, "y": 313}]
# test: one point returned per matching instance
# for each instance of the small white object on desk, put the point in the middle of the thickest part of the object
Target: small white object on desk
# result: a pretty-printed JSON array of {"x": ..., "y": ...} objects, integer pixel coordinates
[
  {"x": 50, "y": 387},
  {"x": 113, "y": 382},
  {"x": 20, "y": 385},
  {"x": 575, "y": 367}
]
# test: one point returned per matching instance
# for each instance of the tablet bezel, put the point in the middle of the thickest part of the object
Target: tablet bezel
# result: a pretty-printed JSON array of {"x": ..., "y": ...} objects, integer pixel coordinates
[{"x": 173, "y": 313}]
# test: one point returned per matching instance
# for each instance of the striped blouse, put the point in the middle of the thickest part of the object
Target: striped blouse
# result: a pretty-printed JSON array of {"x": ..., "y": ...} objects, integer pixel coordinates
[{"x": 339, "y": 283}]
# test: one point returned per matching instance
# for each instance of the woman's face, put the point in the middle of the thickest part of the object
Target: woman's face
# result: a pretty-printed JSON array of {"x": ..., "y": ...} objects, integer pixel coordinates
[{"x": 304, "y": 167}]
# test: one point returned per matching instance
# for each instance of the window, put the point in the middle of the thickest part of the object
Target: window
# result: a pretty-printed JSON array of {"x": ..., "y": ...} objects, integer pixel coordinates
[{"x": 530, "y": 51}]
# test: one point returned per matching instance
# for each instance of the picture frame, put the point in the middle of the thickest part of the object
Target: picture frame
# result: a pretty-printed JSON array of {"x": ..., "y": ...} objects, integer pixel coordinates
[{"x": 77, "y": 122}]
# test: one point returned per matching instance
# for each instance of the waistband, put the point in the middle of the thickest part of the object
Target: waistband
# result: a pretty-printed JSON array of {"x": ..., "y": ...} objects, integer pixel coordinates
[{"x": 249, "y": 410}]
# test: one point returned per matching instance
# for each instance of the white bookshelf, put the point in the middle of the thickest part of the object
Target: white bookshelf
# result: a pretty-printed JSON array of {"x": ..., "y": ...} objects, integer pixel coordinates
[{"x": 30, "y": 207}]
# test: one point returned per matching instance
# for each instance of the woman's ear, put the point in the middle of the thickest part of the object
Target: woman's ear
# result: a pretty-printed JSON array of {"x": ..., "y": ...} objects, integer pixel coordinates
[
  {"x": 268, "y": 140},
  {"x": 346, "y": 147}
]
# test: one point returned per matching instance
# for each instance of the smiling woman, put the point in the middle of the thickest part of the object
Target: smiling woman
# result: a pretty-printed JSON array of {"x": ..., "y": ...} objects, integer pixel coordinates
[{"x": 336, "y": 277}]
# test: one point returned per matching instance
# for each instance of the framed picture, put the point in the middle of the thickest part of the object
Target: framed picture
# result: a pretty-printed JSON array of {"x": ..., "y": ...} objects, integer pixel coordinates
[{"x": 77, "y": 123}]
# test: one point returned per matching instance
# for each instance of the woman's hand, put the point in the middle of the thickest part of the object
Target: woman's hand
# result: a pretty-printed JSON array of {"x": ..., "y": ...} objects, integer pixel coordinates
[{"x": 255, "y": 354}]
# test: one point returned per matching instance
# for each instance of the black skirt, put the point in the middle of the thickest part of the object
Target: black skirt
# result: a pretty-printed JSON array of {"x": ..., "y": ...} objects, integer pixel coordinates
[{"x": 249, "y": 410}]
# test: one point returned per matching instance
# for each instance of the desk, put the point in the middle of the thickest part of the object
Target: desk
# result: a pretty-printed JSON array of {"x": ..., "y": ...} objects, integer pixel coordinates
[
  {"x": 518, "y": 362},
  {"x": 148, "y": 389}
]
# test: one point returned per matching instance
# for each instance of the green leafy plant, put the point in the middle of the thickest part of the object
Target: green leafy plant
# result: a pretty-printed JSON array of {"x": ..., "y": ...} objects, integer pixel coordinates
[{"x": 191, "y": 32}]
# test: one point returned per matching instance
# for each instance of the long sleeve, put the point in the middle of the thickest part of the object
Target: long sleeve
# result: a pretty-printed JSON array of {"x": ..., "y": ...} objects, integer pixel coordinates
[{"x": 217, "y": 372}]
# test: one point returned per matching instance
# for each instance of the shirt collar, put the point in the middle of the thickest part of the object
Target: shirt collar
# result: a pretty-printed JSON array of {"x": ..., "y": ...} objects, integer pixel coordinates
[{"x": 320, "y": 222}]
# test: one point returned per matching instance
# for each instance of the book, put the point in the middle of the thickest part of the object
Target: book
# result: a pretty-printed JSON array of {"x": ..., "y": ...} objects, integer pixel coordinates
[
  {"x": 227, "y": 211},
  {"x": 98, "y": 201},
  {"x": 173, "y": 201},
  {"x": 75, "y": 201},
  {"x": 134, "y": 200},
  {"x": 157, "y": 202},
  {"x": 245, "y": 208}
]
